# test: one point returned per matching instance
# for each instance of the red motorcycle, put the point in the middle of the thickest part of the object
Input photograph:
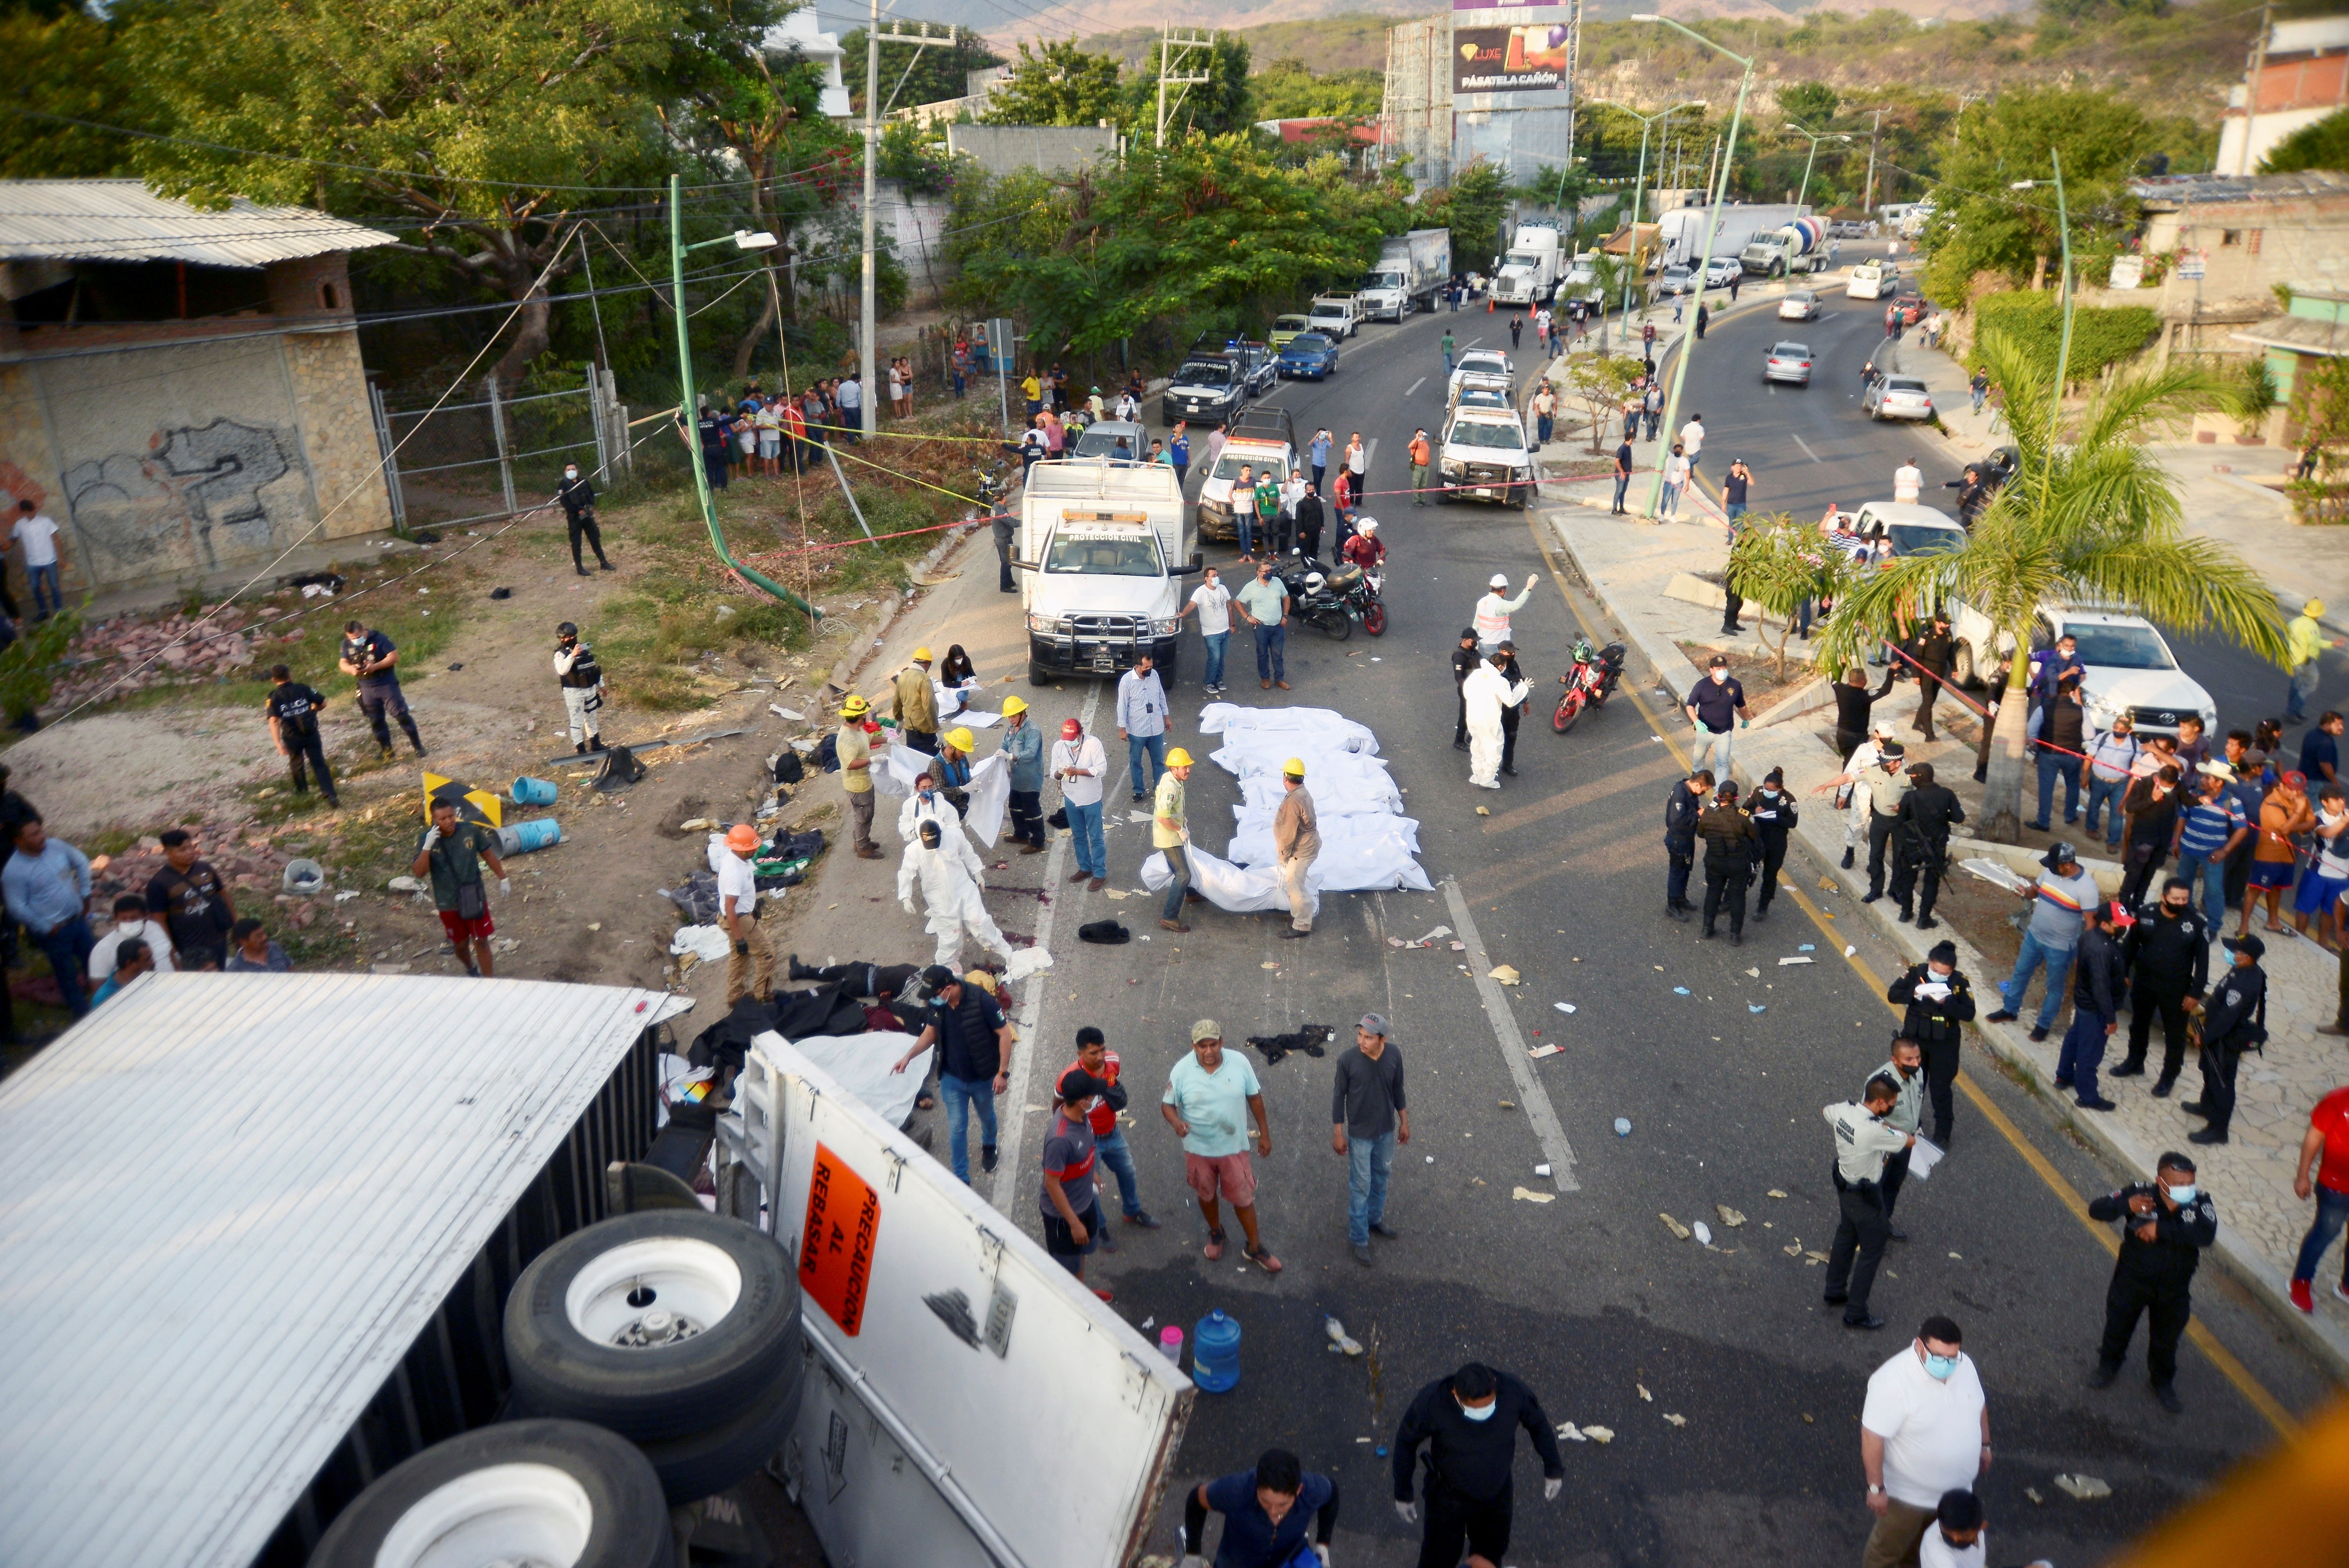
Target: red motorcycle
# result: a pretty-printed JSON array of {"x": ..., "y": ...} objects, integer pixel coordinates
[{"x": 1594, "y": 676}]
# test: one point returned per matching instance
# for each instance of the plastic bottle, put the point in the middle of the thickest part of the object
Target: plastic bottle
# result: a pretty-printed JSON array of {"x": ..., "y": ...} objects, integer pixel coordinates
[
  {"x": 1215, "y": 1353},
  {"x": 1170, "y": 1343}
]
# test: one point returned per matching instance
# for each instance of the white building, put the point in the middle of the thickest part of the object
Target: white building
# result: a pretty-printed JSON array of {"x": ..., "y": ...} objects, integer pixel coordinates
[
  {"x": 2303, "y": 78},
  {"x": 798, "y": 31}
]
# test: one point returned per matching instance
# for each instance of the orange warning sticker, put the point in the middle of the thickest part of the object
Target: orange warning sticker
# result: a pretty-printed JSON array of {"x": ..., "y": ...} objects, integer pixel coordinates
[{"x": 844, "y": 1215}]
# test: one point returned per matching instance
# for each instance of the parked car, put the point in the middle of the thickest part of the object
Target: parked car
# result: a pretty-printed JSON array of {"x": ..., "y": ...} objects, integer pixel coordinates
[
  {"x": 1846, "y": 229},
  {"x": 1100, "y": 439},
  {"x": 1911, "y": 307},
  {"x": 1309, "y": 354},
  {"x": 1720, "y": 270},
  {"x": 1910, "y": 529},
  {"x": 2130, "y": 669},
  {"x": 1788, "y": 362},
  {"x": 1675, "y": 281},
  {"x": 1800, "y": 304},
  {"x": 1255, "y": 360},
  {"x": 1285, "y": 327},
  {"x": 1897, "y": 397},
  {"x": 1336, "y": 316},
  {"x": 1208, "y": 388}
]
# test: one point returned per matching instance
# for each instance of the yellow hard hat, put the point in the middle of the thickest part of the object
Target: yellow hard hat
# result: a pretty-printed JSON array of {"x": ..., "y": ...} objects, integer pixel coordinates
[
  {"x": 854, "y": 706},
  {"x": 1178, "y": 758},
  {"x": 1294, "y": 767},
  {"x": 1013, "y": 708},
  {"x": 961, "y": 739},
  {"x": 2313, "y": 607},
  {"x": 921, "y": 656}
]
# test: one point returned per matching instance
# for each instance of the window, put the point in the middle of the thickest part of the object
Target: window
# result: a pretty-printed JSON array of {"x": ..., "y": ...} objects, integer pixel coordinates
[
  {"x": 1135, "y": 555},
  {"x": 2230, "y": 236},
  {"x": 326, "y": 297}
]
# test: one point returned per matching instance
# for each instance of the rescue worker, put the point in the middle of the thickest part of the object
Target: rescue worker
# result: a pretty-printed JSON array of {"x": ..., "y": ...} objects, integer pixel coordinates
[
  {"x": 927, "y": 803},
  {"x": 1023, "y": 749},
  {"x": 953, "y": 767},
  {"x": 917, "y": 706},
  {"x": 1682, "y": 809},
  {"x": 1170, "y": 835},
  {"x": 373, "y": 659},
  {"x": 1775, "y": 817},
  {"x": 1469, "y": 1423},
  {"x": 1492, "y": 611},
  {"x": 1506, "y": 661},
  {"x": 1906, "y": 1069},
  {"x": 1864, "y": 1142},
  {"x": 1940, "y": 1002},
  {"x": 2165, "y": 1225},
  {"x": 1296, "y": 843},
  {"x": 750, "y": 966},
  {"x": 1920, "y": 844},
  {"x": 852, "y": 746},
  {"x": 1464, "y": 660},
  {"x": 2234, "y": 1020},
  {"x": 578, "y": 498},
  {"x": 948, "y": 871},
  {"x": 1730, "y": 843},
  {"x": 1485, "y": 693},
  {"x": 581, "y": 680}
]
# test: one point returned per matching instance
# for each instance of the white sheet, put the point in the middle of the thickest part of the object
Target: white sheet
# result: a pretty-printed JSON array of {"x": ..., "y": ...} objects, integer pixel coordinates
[
  {"x": 1331, "y": 727},
  {"x": 1355, "y": 797},
  {"x": 990, "y": 798},
  {"x": 1374, "y": 860},
  {"x": 1260, "y": 756},
  {"x": 1227, "y": 886},
  {"x": 861, "y": 1065}
]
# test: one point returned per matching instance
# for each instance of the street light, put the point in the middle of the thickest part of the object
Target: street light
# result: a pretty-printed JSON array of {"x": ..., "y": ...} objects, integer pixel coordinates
[
  {"x": 2064, "y": 349},
  {"x": 744, "y": 239},
  {"x": 1640, "y": 185},
  {"x": 1711, "y": 232},
  {"x": 1816, "y": 137}
]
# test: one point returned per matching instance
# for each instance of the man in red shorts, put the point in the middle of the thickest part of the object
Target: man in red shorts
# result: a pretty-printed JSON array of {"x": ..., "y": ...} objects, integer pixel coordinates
[
  {"x": 1210, "y": 1100},
  {"x": 451, "y": 854}
]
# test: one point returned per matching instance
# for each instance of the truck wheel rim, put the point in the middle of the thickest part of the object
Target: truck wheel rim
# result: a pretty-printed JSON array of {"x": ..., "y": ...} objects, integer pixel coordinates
[
  {"x": 649, "y": 1293},
  {"x": 509, "y": 1515}
]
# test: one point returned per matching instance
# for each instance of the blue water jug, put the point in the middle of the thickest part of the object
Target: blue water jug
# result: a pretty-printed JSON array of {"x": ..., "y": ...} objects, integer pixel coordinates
[{"x": 1215, "y": 1353}]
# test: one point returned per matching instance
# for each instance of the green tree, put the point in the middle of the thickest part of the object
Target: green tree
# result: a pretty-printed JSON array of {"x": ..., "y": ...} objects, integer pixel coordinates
[
  {"x": 2092, "y": 517},
  {"x": 1778, "y": 564},
  {"x": 1056, "y": 84},
  {"x": 1598, "y": 382},
  {"x": 1981, "y": 225},
  {"x": 915, "y": 73},
  {"x": 2320, "y": 407},
  {"x": 63, "y": 61},
  {"x": 1812, "y": 103},
  {"x": 2324, "y": 145},
  {"x": 1285, "y": 89},
  {"x": 485, "y": 121},
  {"x": 1472, "y": 207}
]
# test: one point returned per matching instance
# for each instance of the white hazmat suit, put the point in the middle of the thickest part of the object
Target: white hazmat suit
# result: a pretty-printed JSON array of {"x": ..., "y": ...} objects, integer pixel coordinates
[
  {"x": 1487, "y": 691},
  {"x": 949, "y": 876}
]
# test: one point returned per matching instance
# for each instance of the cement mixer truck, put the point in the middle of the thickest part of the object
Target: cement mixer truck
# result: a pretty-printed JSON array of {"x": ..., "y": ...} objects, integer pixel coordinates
[{"x": 1799, "y": 247}]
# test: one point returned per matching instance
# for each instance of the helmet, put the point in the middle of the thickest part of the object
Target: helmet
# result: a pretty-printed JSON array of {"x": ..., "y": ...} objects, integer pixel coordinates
[
  {"x": 742, "y": 838},
  {"x": 1013, "y": 706},
  {"x": 921, "y": 656},
  {"x": 856, "y": 707},
  {"x": 566, "y": 630},
  {"x": 1366, "y": 525},
  {"x": 1499, "y": 580},
  {"x": 962, "y": 740},
  {"x": 1313, "y": 581},
  {"x": 1178, "y": 758},
  {"x": 1294, "y": 767}
]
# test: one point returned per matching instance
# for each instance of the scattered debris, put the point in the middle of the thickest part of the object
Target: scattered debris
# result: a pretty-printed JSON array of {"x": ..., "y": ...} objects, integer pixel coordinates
[
  {"x": 1678, "y": 1230},
  {"x": 1268, "y": 964},
  {"x": 1798, "y": 958},
  {"x": 1808, "y": 947},
  {"x": 1527, "y": 1195},
  {"x": 1703, "y": 1233},
  {"x": 1675, "y": 1420},
  {"x": 1570, "y": 1433},
  {"x": 1796, "y": 1250},
  {"x": 1959, "y": 1257},
  {"x": 1484, "y": 810},
  {"x": 2033, "y": 1493},
  {"x": 405, "y": 884},
  {"x": 1757, "y": 1007},
  {"x": 2083, "y": 1488},
  {"x": 1754, "y": 974},
  {"x": 1599, "y": 1434},
  {"x": 1773, "y": 1192},
  {"x": 1563, "y": 1007},
  {"x": 1644, "y": 1395},
  {"x": 1729, "y": 1216},
  {"x": 1538, "y": 1052},
  {"x": 1622, "y": 1126},
  {"x": 1338, "y": 1336},
  {"x": 1680, "y": 990},
  {"x": 1816, "y": 1257},
  {"x": 1504, "y": 974}
]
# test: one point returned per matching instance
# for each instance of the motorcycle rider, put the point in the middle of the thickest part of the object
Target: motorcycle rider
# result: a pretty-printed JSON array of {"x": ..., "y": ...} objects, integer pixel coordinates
[{"x": 1365, "y": 548}]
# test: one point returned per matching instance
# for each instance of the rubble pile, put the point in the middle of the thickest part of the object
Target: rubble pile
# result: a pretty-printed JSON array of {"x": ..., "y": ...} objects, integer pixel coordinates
[
  {"x": 253, "y": 868},
  {"x": 129, "y": 655}
]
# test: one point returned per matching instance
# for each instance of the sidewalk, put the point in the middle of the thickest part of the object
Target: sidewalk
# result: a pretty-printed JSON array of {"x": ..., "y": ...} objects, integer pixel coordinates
[{"x": 1628, "y": 565}]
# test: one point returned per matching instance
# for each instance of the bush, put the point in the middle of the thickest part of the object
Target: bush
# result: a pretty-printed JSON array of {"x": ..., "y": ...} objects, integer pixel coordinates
[{"x": 2101, "y": 336}]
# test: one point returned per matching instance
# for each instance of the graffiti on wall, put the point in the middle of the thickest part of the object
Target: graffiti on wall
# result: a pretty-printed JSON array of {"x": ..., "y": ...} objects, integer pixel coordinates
[{"x": 198, "y": 493}]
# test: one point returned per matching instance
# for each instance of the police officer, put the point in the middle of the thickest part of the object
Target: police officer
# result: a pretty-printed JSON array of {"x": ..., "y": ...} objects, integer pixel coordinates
[
  {"x": 2165, "y": 1225},
  {"x": 2167, "y": 956},
  {"x": 1920, "y": 843},
  {"x": 373, "y": 660},
  {"x": 1469, "y": 1423},
  {"x": 1941, "y": 1001},
  {"x": 1464, "y": 660},
  {"x": 1728, "y": 854},
  {"x": 581, "y": 680},
  {"x": 1886, "y": 787},
  {"x": 1906, "y": 1070},
  {"x": 1773, "y": 814},
  {"x": 2234, "y": 1020},
  {"x": 1682, "y": 809},
  {"x": 578, "y": 498},
  {"x": 1863, "y": 1142}
]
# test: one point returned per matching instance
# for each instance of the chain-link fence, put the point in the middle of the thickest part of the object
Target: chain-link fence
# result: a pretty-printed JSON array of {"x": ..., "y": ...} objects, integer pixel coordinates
[{"x": 473, "y": 461}]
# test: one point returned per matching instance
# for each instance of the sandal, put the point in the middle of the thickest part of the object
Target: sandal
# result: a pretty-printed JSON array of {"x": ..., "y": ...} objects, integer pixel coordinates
[
  {"x": 1262, "y": 1258},
  {"x": 1215, "y": 1247},
  {"x": 926, "y": 1103}
]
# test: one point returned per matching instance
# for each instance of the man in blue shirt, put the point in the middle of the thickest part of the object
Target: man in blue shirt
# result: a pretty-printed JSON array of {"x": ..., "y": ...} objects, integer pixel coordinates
[
  {"x": 1319, "y": 455},
  {"x": 1717, "y": 708},
  {"x": 1267, "y": 1513},
  {"x": 47, "y": 888},
  {"x": 1178, "y": 452},
  {"x": 1023, "y": 753},
  {"x": 1142, "y": 723},
  {"x": 2319, "y": 753},
  {"x": 373, "y": 660}
]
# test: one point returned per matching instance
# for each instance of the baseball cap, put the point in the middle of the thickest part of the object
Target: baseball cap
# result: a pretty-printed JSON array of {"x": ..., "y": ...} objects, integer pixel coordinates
[
  {"x": 1070, "y": 729},
  {"x": 937, "y": 977},
  {"x": 1207, "y": 1029},
  {"x": 1372, "y": 1024},
  {"x": 2250, "y": 944}
]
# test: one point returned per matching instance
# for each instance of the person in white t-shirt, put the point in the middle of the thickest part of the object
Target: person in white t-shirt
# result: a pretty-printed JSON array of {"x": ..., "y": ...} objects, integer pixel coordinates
[
  {"x": 1908, "y": 481},
  {"x": 851, "y": 406},
  {"x": 131, "y": 920},
  {"x": 1213, "y": 601},
  {"x": 36, "y": 531},
  {"x": 1923, "y": 1431},
  {"x": 1693, "y": 439},
  {"x": 1958, "y": 1538}
]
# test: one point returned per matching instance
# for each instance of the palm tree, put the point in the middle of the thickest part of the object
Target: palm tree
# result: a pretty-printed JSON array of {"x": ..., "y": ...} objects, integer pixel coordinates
[{"x": 2093, "y": 518}]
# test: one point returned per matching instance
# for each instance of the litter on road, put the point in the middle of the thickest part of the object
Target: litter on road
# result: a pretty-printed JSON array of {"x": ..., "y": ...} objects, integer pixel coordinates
[
  {"x": 1678, "y": 1230},
  {"x": 2085, "y": 1488},
  {"x": 1675, "y": 1421},
  {"x": 1601, "y": 1435},
  {"x": 1703, "y": 1233},
  {"x": 1528, "y": 1194},
  {"x": 1622, "y": 1126},
  {"x": 1506, "y": 975},
  {"x": 1651, "y": 1398},
  {"x": 1797, "y": 959},
  {"x": 1563, "y": 1007},
  {"x": 1341, "y": 1338},
  {"x": 1540, "y": 1051},
  {"x": 1729, "y": 1216}
]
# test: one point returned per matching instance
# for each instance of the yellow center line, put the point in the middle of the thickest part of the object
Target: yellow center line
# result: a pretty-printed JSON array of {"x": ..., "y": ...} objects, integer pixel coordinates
[{"x": 2234, "y": 1371}]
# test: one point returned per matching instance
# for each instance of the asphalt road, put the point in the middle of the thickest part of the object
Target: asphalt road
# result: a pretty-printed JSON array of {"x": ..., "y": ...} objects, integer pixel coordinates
[
  {"x": 1810, "y": 445},
  {"x": 1587, "y": 1295}
]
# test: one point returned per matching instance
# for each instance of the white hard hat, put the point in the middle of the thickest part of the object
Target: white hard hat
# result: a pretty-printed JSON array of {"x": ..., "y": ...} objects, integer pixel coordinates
[
  {"x": 1366, "y": 525},
  {"x": 1500, "y": 580}
]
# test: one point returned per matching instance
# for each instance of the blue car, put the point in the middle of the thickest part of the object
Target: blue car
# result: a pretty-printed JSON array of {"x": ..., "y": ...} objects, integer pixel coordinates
[{"x": 1308, "y": 353}]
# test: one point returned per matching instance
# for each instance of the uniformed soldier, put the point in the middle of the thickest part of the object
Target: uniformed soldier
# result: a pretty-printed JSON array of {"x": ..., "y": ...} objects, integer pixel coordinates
[
  {"x": 1863, "y": 1142},
  {"x": 578, "y": 498},
  {"x": 581, "y": 680},
  {"x": 2234, "y": 1020},
  {"x": 917, "y": 706},
  {"x": 1906, "y": 1070},
  {"x": 2165, "y": 1225},
  {"x": 1940, "y": 1002}
]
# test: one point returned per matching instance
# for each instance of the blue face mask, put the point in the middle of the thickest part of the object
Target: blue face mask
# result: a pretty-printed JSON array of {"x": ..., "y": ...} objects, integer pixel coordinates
[
  {"x": 1939, "y": 1367},
  {"x": 1480, "y": 1412},
  {"x": 2182, "y": 1195}
]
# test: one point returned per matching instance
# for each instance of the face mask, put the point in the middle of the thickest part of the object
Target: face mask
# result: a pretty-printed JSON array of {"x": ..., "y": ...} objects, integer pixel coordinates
[
  {"x": 927, "y": 794},
  {"x": 128, "y": 926},
  {"x": 2182, "y": 1195},
  {"x": 1939, "y": 1367},
  {"x": 1719, "y": 676},
  {"x": 1480, "y": 1412},
  {"x": 571, "y": 473}
]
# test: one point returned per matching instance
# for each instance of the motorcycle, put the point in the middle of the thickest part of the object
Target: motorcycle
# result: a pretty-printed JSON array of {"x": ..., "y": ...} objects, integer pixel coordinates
[
  {"x": 1588, "y": 684},
  {"x": 1358, "y": 591},
  {"x": 1314, "y": 598},
  {"x": 994, "y": 484}
]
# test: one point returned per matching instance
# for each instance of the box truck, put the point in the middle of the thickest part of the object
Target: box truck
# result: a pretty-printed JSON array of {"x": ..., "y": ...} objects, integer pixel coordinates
[
  {"x": 1409, "y": 268},
  {"x": 1104, "y": 551}
]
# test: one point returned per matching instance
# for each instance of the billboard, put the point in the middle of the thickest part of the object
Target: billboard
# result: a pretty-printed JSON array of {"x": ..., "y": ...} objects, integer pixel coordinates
[{"x": 1511, "y": 59}]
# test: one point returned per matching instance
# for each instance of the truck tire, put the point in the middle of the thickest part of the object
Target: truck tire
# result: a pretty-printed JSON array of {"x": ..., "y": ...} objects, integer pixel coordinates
[
  {"x": 654, "y": 1325},
  {"x": 1038, "y": 675},
  {"x": 702, "y": 1464},
  {"x": 535, "y": 1492}
]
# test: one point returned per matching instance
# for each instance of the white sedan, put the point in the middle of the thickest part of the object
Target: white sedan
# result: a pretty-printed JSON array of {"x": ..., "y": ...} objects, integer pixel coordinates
[{"x": 1800, "y": 304}]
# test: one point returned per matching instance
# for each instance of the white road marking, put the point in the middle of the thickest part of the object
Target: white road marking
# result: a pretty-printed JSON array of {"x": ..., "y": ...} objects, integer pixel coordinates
[
  {"x": 1414, "y": 387},
  {"x": 1806, "y": 448},
  {"x": 1530, "y": 1092},
  {"x": 1011, "y": 1115},
  {"x": 1370, "y": 453}
]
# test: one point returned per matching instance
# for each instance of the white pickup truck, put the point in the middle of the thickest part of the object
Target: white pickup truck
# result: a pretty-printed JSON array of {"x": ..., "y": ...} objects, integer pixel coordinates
[
  {"x": 1104, "y": 549},
  {"x": 1486, "y": 455},
  {"x": 1336, "y": 314}
]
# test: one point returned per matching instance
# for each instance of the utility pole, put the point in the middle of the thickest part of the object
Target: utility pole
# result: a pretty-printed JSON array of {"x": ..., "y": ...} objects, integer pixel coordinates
[
  {"x": 1169, "y": 47},
  {"x": 869, "y": 411},
  {"x": 2252, "y": 86},
  {"x": 1868, "y": 200},
  {"x": 1572, "y": 92}
]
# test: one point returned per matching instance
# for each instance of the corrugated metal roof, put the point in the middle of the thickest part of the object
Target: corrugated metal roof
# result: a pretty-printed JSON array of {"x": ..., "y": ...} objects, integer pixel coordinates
[
  {"x": 2201, "y": 190},
  {"x": 2300, "y": 334},
  {"x": 228, "y": 1204},
  {"x": 122, "y": 220}
]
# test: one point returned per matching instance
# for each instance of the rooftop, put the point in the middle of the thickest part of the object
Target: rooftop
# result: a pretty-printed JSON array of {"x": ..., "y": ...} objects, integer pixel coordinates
[
  {"x": 2174, "y": 190},
  {"x": 122, "y": 220}
]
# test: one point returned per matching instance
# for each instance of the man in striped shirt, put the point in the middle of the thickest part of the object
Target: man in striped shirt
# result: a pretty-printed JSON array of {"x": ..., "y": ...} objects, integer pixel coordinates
[
  {"x": 2057, "y": 898},
  {"x": 2209, "y": 829},
  {"x": 2111, "y": 761}
]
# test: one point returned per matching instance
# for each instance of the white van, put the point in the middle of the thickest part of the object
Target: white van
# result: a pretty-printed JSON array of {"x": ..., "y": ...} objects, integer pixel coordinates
[
  {"x": 1873, "y": 280},
  {"x": 1105, "y": 549}
]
